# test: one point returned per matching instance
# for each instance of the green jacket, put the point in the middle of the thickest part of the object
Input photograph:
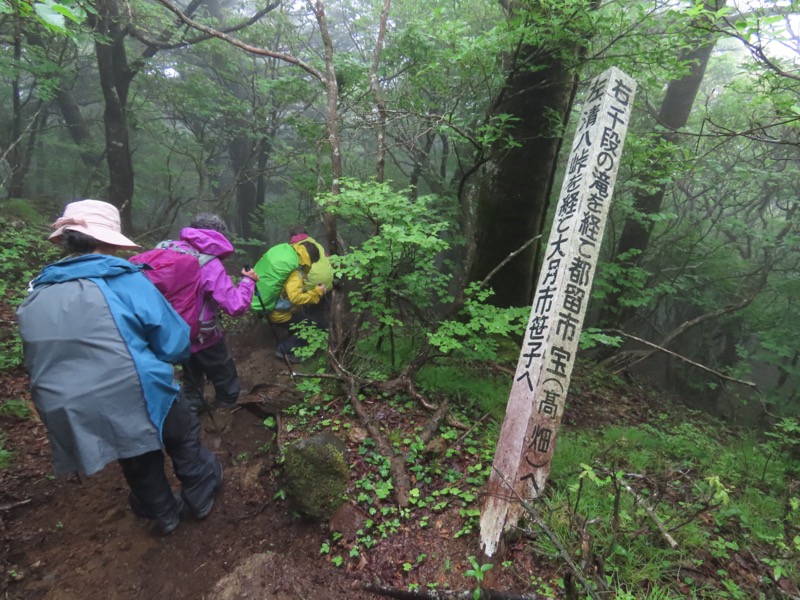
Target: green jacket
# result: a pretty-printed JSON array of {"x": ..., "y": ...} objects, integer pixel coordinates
[{"x": 273, "y": 269}]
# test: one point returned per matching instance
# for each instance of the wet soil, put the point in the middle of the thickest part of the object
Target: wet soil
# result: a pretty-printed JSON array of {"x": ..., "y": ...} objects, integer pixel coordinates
[{"x": 76, "y": 539}]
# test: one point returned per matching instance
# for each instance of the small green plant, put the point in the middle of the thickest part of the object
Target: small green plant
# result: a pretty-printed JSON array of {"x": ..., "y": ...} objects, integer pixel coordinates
[
  {"x": 5, "y": 455},
  {"x": 16, "y": 408},
  {"x": 477, "y": 572},
  {"x": 24, "y": 250}
]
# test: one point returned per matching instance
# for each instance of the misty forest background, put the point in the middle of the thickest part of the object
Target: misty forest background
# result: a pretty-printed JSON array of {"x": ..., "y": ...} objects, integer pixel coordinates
[{"x": 424, "y": 142}]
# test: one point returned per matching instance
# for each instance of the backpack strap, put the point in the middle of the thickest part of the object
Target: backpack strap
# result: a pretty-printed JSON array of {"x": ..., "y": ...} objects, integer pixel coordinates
[{"x": 202, "y": 258}]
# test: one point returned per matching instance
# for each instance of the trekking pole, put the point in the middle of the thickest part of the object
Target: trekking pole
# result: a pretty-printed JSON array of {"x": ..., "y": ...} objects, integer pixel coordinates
[
  {"x": 272, "y": 326},
  {"x": 198, "y": 388}
]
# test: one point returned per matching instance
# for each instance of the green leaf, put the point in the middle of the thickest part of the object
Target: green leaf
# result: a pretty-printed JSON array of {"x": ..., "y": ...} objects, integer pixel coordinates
[{"x": 49, "y": 16}]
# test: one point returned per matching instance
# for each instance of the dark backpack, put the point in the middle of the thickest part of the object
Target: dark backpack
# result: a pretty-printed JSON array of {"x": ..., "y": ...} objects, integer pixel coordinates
[{"x": 175, "y": 271}]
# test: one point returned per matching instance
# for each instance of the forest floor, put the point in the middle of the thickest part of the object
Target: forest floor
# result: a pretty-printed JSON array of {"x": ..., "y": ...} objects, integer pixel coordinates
[{"x": 65, "y": 539}]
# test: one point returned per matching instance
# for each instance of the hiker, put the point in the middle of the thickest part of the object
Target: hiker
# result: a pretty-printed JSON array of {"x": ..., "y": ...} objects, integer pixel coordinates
[
  {"x": 210, "y": 357},
  {"x": 320, "y": 272},
  {"x": 281, "y": 291},
  {"x": 99, "y": 342}
]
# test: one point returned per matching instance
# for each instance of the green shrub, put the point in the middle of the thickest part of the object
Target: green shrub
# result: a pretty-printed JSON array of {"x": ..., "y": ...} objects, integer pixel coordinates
[
  {"x": 24, "y": 250},
  {"x": 15, "y": 408}
]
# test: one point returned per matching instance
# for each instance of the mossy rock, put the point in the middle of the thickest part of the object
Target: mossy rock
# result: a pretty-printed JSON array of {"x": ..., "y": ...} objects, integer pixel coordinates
[{"x": 317, "y": 475}]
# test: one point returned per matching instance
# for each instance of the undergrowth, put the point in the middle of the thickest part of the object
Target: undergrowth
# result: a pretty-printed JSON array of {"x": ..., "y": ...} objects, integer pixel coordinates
[
  {"x": 24, "y": 250},
  {"x": 617, "y": 493}
]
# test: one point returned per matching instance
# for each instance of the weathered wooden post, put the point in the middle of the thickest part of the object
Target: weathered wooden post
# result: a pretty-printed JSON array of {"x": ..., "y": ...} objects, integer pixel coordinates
[{"x": 536, "y": 402}]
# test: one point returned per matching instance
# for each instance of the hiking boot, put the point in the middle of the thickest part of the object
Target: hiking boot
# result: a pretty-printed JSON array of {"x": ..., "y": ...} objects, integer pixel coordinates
[
  {"x": 166, "y": 523},
  {"x": 204, "y": 512},
  {"x": 170, "y": 521},
  {"x": 290, "y": 357},
  {"x": 196, "y": 405}
]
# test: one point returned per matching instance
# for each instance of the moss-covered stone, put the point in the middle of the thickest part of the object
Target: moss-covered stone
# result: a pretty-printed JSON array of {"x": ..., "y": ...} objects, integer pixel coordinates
[{"x": 317, "y": 475}]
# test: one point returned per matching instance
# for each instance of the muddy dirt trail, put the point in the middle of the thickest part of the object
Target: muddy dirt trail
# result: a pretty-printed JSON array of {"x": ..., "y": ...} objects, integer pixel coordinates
[{"x": 65, "y": 539}]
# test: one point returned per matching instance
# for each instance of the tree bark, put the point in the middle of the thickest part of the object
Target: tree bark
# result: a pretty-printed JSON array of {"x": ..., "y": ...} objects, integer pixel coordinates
[
  {"x": 115, "y": 79},
  {"x": 514, "y": 190},
  {"x": 673, "y": 115},
  {"x": 15, "y": 153}
]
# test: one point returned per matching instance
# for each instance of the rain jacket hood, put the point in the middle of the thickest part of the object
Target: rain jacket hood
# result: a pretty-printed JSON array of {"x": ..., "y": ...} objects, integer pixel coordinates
[
  {"x": 208, "y": 241},
  {"x": 85, "y": 266}
]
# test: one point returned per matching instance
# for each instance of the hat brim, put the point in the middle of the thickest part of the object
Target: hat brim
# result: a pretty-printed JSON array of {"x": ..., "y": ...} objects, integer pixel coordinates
[{"x": 101, "y": 234}]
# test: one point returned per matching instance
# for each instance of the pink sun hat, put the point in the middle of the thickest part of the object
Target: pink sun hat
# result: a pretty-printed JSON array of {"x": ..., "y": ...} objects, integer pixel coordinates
[{"x": 94, "y": 218}]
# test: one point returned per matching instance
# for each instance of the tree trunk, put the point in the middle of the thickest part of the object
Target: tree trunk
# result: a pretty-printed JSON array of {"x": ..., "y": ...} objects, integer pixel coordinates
[
  {"x": 15, "y": 154},
  {"x": 674, "y": 114},
  {"x": 115, "y": 79},
  {"x": 513, "y": 194},
  {"x": 242, "y": 154}
]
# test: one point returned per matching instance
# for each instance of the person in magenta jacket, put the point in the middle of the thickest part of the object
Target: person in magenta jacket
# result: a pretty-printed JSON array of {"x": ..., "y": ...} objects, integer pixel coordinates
[{"x": 210, "y": 358}]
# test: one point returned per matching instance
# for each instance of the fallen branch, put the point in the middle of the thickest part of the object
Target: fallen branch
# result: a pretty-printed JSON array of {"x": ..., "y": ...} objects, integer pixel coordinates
[
  {"x": 643, "y": 355},
  {"x": 478, "y": 422},
  {"x": 485, "y": 594},
  {"x": 537, "y": 518},
  {"x": 650, "y": 512},
  {"x": 433, "y": 423},
  {"x": 7, "y": 507},
  {"x": 397, "y": 466},
  {"x": 453, "y": 422},
  {"x": 317, "y": 375}
]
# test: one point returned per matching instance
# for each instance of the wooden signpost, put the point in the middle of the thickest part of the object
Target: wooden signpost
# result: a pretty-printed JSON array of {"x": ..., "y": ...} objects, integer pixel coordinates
[{"x": 536, "y": 403}]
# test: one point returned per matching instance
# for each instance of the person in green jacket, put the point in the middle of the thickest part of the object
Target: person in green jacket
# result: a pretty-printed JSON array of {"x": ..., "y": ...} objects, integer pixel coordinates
[
  {"x": 282, "y": 293},
  {"x": 321, "y": 272}
]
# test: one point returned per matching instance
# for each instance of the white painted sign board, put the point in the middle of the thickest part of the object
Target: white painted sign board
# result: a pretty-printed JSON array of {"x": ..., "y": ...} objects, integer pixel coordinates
[{"x": 536, "y": 403}]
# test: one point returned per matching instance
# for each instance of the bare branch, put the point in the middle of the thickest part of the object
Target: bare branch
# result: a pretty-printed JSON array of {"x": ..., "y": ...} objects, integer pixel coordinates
[
  {"x": 239, "y": 44},
  {"x": 680, "y": 357},
  {"x": 162, "y": 44}
]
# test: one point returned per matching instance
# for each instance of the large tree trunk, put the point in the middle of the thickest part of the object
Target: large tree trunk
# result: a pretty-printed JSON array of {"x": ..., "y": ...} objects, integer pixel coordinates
[
  {"x": 514, "y": 191},
  {"x": 15, "y": 154},
  {"x": 115, "y": 79},
  {"x": 243, "y": 154},
  {"x": 674, "y": 114}
]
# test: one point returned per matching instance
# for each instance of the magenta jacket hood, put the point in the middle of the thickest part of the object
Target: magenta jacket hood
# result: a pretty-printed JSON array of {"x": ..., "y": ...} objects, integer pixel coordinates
[{"x": 208, "y": 241}]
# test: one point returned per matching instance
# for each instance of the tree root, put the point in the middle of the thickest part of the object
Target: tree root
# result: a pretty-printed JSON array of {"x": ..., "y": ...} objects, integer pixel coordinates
[{"x": 397, "y": 461}]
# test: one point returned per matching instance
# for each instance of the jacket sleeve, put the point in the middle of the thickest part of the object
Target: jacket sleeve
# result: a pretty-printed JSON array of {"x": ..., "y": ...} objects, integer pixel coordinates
[
  {"x": 296, "y": 293},
  {"x": 232, "y": 299},
  {"x": 165, "y": 332}
]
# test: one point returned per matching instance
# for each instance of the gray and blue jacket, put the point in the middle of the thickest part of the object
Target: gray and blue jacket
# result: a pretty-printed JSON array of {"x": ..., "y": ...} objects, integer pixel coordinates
[{"x": 98, "y": 339}]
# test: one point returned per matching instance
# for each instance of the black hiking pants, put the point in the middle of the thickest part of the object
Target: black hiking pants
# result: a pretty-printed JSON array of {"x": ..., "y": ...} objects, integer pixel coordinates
[
  {"x": 196, "y": 467},
  {"x": 216, "y": 364}
]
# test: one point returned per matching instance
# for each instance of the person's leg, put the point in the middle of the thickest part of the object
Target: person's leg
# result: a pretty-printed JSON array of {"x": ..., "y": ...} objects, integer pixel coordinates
[
  {"x": 221, "y": 371},
  {"x": 283, "y": 337},
  {"x": 194, "y": 381},
  {"x": 307, "y": 316},
  {"x": 318, "y": 313},
  {"x": 196, "y": 467},
  {"x": 151, "y": 495}
]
